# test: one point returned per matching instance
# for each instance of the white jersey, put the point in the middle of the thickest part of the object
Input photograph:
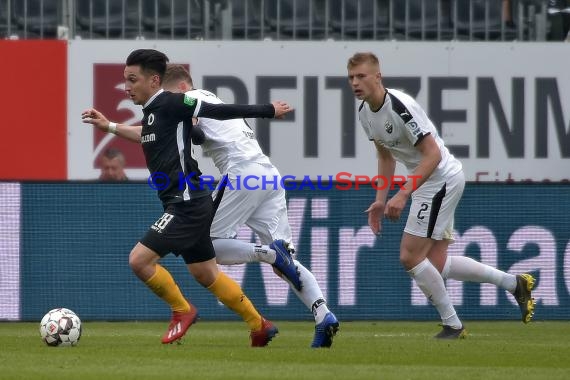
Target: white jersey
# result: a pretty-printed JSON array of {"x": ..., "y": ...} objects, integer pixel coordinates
[
  {"x": 228, "y": 142},
  {"x": 399, "y": 126}
]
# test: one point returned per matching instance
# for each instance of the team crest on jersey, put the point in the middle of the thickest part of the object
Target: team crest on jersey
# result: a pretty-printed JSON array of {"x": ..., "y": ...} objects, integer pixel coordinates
[
  {"x": 389, "y": 127},
  {"x": 150, "y": 119}
]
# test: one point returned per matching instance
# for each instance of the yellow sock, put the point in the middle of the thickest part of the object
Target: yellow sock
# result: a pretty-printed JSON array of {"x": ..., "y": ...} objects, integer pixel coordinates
[
  {"x": 230, "y": 294},
  {"x": 163, "y": 285}
]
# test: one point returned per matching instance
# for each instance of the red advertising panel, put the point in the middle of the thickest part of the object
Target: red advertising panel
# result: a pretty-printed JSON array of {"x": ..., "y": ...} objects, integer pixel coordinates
[
  {"x": 34, "y": 103},
  {"x": 110, "y": 98}
]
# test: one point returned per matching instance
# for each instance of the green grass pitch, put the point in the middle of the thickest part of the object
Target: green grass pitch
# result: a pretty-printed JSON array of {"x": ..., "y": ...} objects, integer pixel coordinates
[{"x": 361, "y": 350}]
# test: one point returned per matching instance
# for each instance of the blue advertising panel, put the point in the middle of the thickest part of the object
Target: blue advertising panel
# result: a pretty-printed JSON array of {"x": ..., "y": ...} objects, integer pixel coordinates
[{"x": 76, "y": 239}]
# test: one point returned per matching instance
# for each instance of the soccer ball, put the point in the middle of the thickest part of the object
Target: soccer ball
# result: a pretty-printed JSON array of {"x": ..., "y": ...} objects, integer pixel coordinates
[{"x": 60, "y": 327}]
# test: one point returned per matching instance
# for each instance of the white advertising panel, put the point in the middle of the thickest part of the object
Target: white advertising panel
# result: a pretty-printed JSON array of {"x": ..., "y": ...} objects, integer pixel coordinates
[
  {"x": 502, "y": 108},
  {"x": 9, "y": 251}
]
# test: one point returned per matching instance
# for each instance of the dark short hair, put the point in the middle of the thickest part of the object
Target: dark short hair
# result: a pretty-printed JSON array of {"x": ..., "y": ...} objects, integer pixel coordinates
[
  {"x": 176, "y": 73},
  {"x": 113, "y": 153},
  {"x": 150, "y": 61}
]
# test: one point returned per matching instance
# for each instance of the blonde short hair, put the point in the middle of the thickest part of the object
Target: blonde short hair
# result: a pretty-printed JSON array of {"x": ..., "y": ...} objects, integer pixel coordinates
[{"x": 363, "y": 57}]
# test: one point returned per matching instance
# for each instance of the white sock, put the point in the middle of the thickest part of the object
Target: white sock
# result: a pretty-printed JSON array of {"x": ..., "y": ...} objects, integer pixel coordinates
[
  {"x": 463, "y": 268},
  {"x": 234, "y": 251},
  {"x": 430, "y": 282},
  {"x": 311, "y": 294}
]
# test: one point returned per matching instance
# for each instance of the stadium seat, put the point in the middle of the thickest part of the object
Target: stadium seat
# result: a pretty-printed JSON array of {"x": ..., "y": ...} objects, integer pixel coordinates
[
  {"x": 481, "y": 20},
  {"x": 297, "y": 19},
  {"x": 107, "y": 18},
  {"x": 360, "y": 19},
  {"x": 36, "y": 18},
  {"x": 3, "y": 19},
  {"x": 174, "y": 18},
  {"x": 248, "y": 20},
  {"x": 425, "y": 20}
]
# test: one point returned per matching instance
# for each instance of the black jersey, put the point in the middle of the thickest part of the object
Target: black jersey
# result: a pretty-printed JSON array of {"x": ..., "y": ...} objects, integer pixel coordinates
[{"x": 167, "y": 147}]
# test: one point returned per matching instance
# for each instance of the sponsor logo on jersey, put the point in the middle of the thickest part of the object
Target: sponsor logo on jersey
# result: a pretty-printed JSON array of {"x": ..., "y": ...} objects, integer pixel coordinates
[
  {"x": 413, "y": 127},
  {"x": 389, "y": 143},
  {"x": 148, "y": 138}
]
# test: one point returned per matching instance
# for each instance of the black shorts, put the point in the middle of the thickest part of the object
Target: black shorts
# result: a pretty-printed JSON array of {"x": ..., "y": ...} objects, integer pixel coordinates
[{"x": 183, "y": 229}]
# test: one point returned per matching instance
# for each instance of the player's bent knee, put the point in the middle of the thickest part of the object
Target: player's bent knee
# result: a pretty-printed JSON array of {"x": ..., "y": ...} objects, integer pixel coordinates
[
  {"x": 413, "y": 250},
  {"x": 142, "y": 260},
  {"x": 408, "y": 261},
  {"x": 205, "y": 273},
  {"x": 136, "y": 263}
]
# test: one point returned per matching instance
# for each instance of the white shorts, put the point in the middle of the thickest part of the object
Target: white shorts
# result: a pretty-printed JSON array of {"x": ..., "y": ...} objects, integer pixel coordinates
[
  {"x": 433, "y": 207},
  {"x": 264, "y": 210}
]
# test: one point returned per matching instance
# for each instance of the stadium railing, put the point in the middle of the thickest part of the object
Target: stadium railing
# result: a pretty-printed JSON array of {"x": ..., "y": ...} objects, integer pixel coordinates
[{"x": 275, "y": 19}]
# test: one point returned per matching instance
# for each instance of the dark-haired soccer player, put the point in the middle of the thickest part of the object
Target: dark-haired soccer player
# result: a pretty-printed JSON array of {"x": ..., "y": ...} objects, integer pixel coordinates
[
  {"x": 401, "y": 131},
  {"x": 184, "y": 228}
]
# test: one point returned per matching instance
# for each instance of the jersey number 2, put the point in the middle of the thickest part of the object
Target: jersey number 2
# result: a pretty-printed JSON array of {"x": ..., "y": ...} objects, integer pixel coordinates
[{"x": 423, "y": 208}]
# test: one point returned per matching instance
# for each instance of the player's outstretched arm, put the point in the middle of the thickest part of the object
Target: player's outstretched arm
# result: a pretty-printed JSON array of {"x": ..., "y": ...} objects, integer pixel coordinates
[
  {"x": 281, "y": 109},
  {"x": 99, "y": 121},
  {"x": 223, "y": 111}
]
